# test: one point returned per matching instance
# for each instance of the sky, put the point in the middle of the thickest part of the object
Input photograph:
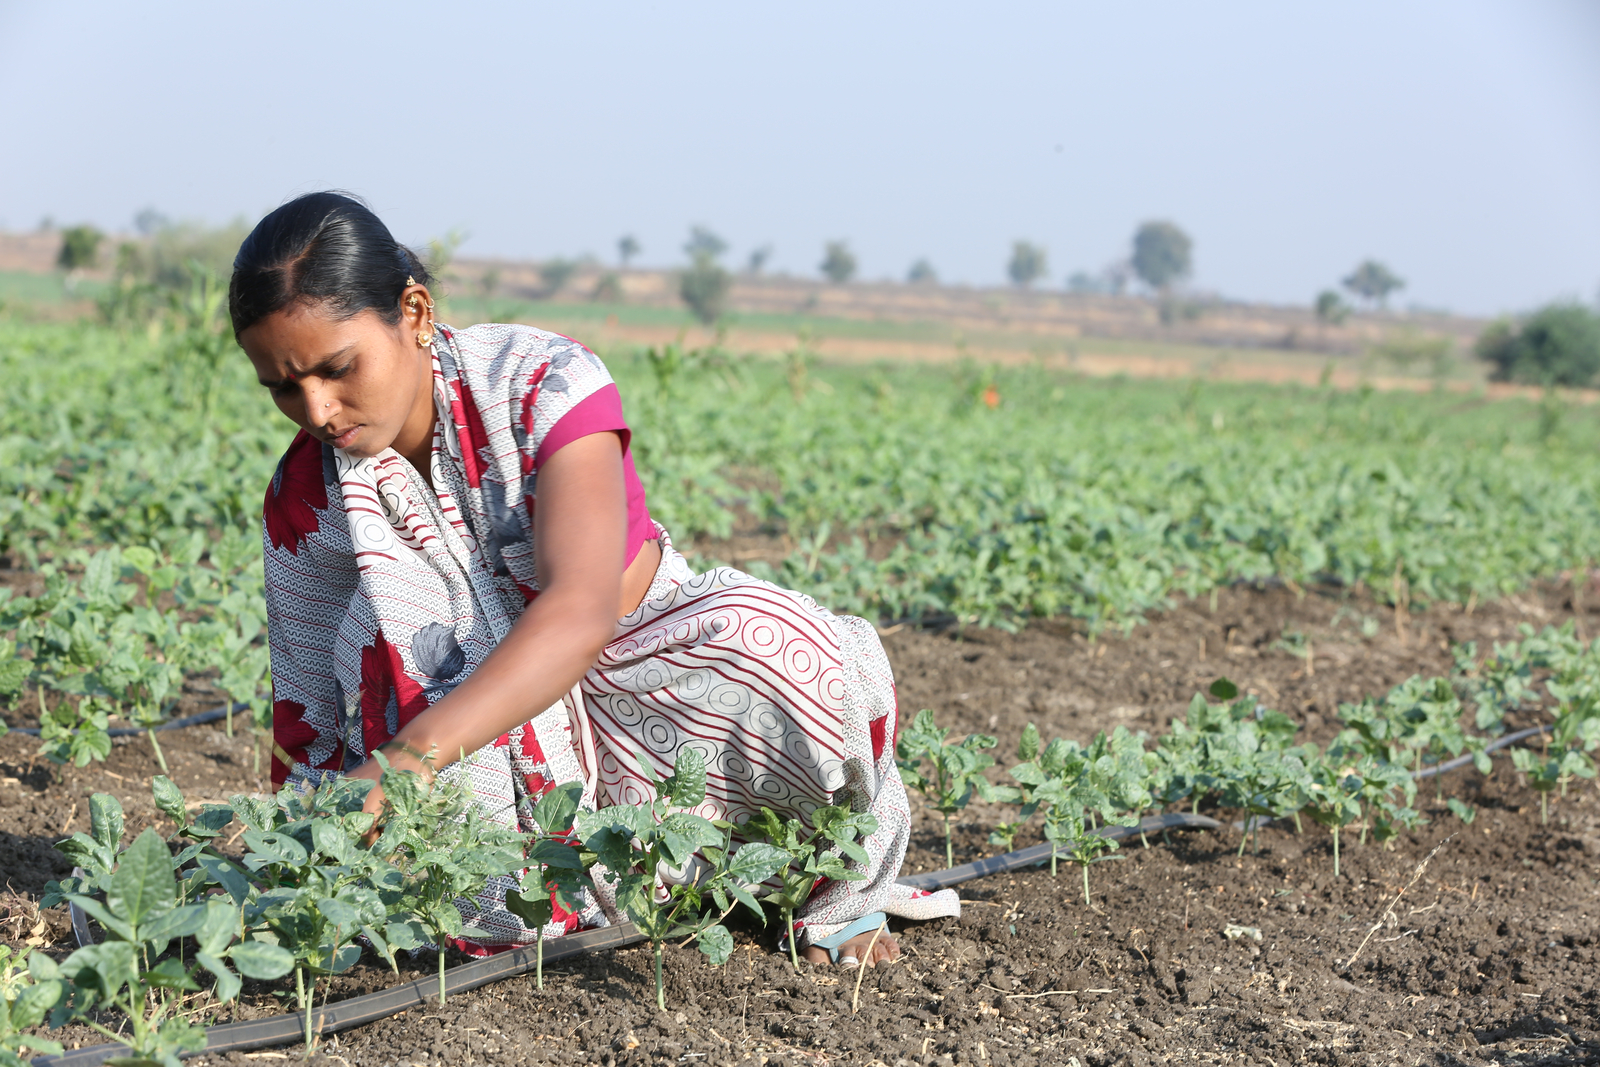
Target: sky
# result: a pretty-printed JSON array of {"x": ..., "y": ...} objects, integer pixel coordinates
[{"x": 1457, "y": 141}]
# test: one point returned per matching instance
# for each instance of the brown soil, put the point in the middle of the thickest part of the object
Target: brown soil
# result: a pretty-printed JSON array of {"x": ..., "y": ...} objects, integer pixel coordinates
[{"x": 1488, "y": 957}]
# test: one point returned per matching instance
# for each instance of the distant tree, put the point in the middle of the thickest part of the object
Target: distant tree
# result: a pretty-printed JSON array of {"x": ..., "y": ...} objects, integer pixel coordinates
[
  {"x": 1373, "y": 282},
  {"x": 922, "y": 273},
  {"x": 704, "y": 285},
  {"x": 1161, "y": 254},
  {"x": 1331, "y": 308},
  {"x": 150, "y": 221},
  {"x": 1081, "y": 281},
  {"x": 838, "y": 262},
  {"x": 704, "y": 242},
  {"x": 607, "y": 289},
  {"x": 1556, "y": 345},
  {"x": 80, "y": 246},
  {"x": 627, "y": 248},
  {"x": 555, "y": 273},
  {"x": 1027, "y": 264},
  {"x": 758, "y": 259}
]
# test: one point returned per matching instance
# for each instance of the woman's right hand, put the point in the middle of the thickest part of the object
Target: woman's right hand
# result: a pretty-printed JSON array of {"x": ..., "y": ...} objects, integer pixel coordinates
[{"x": 400, "y": 758}]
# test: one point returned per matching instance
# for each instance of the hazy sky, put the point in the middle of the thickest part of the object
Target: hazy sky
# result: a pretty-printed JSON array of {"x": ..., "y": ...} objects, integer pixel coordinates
[{"x": 1458, "y": 140}]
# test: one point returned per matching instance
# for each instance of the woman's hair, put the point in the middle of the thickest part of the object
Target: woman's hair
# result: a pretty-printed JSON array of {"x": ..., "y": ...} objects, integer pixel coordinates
[{"x": 322, "y": 248}]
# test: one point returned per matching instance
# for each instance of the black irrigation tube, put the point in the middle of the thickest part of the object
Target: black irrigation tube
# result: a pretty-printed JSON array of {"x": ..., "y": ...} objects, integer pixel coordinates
[
  {"x": 358, "y": 1011},
  {"x": 139, "y": 731}
]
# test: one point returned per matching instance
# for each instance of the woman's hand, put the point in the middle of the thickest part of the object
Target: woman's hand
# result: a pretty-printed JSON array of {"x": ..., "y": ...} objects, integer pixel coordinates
[{"x": 401, "y": 757}]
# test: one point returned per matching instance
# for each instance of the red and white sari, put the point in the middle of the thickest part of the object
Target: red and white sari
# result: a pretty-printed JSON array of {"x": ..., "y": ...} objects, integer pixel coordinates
[{"x": 383, "y": 594}]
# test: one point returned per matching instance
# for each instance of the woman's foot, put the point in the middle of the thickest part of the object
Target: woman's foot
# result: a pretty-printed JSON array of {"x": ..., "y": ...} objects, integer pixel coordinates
[{"x": 852, "y": 951}]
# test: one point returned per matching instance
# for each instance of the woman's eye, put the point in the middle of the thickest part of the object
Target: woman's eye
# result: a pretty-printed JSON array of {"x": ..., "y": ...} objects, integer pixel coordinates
[{"x": 340, "y": 372}]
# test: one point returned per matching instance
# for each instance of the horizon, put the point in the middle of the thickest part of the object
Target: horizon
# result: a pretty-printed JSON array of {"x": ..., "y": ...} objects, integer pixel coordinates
[{"x": 1442, "y": 139}]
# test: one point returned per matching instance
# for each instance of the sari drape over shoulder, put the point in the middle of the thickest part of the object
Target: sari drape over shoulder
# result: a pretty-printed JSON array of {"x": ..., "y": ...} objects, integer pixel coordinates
[{"x": 383, "y": 594}]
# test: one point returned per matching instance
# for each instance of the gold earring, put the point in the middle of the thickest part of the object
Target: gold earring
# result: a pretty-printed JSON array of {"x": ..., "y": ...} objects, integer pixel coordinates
[
  {"x": 410, "y": 280},
  {"x": 411, "y": 302},
  {"x": 424, "y": 338}
]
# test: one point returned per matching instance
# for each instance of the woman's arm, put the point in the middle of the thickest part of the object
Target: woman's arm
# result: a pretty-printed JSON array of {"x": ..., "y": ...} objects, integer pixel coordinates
[{"x": 580, "y": 535}]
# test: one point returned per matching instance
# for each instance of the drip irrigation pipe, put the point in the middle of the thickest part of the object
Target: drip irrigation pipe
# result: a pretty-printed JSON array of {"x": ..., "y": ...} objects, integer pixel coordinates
[
  {"x": 139, "y": 731},
  {"x": 357, "y": 1011},
  {"x": 1498, "y": 743}
]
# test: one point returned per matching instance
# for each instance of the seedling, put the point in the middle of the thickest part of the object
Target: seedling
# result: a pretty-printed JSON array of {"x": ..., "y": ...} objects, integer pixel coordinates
[
  {"x": 635, "y": 842},
  {"x": 947, "y": 774},
  {"x": 1334, "y": 800},
  {"x": 1071, "y": 784},
  {"x": 811, "y": 856},
  {"x": 556, "y": 867},
  {"x": 141, "y": 914},
  {"x": 444, "y": 849},
  {"x": 23, "y": 1004}
]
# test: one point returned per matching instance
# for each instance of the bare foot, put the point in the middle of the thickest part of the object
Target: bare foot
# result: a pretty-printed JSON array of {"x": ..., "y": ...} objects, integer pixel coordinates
[{"x": 885, "y": 950}]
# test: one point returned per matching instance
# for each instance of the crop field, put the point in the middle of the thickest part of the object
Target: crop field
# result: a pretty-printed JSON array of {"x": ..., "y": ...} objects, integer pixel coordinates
[{"x": 1307, "y": 620}]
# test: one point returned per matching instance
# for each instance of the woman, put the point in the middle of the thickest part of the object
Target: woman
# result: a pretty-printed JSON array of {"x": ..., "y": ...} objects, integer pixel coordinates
[{"x": 460, "y": 560}]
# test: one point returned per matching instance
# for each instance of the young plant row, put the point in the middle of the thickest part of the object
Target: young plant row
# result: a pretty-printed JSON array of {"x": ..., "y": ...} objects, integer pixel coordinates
[
  {"x": 904, "y": 491},
  {"x": 120, "y": 639},
  {"x": 321, "y": 880},
  {"x": 1240, "y": 756}
]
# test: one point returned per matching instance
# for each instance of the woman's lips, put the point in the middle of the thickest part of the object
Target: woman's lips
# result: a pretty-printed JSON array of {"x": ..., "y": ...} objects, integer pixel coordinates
[{"x": 345, "y": 439}]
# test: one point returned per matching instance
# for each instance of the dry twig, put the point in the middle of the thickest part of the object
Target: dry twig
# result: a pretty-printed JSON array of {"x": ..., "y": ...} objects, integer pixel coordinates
[{"x": 1388, "y": 912}]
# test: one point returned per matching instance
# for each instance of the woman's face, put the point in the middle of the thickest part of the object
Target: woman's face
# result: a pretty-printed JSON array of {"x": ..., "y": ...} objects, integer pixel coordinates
[{"x": 358, "y": 383}]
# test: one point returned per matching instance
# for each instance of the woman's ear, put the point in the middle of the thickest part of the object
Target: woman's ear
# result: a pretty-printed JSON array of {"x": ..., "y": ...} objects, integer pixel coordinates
[{"x": 416, "y": 308}]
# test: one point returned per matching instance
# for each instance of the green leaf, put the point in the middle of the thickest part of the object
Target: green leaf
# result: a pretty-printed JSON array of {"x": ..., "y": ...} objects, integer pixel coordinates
[
  {"x": 259, "y": 960},
  {"x": 169, "y": 974},
  {"x": 532, "y": 906},
  {"x": 169, "y": 799},
  {"x": 716, "y": 943},
  {"x": 228, "y": 983},
  {"x": 757, "y": 861},
  {"x": 686, "y": 787},
  {"x": 1028, "y": 746},
  {"x": 142, "y": 886},
  {"x": 105, "y": 820},
  {"x": 554, "y": 812},
  {"x": 227, "y": 874},
  {"x": 179, "y": 922},
  {"x": 1223, "y": 689},
  {"x": 276, "y": 848},
  {"x": 103, "y": 969},
  {"x": 339, "y": 913}
]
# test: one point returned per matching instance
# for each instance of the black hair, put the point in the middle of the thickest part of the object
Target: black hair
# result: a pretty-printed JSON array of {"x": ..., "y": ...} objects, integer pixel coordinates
[{"x": 324, "y": 248}]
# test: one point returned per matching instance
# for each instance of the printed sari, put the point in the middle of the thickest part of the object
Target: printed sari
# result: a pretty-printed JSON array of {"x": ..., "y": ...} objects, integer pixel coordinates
[{"x": 384, "y": 593}]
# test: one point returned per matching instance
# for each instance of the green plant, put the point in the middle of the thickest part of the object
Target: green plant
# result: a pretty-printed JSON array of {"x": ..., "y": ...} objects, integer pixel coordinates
[
  {"x": 141, "y": 914},
  {"x": 23, "y": 1004},
  {"x": 308, "y": 887},
  {"x": 635, "y": 842},
  {"x": 555, "y": 866},
  {"x": 947, "y": 774},
  {"x": 820, "y": 851},
  {"x": 1072, "y": 785},
  {"x": 444, "y": 849},
  {"x": 1334, "y": 800}
]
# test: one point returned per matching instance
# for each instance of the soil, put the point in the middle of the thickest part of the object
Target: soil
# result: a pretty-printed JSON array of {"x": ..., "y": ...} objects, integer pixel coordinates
[{"x": 1487, "y": 957}]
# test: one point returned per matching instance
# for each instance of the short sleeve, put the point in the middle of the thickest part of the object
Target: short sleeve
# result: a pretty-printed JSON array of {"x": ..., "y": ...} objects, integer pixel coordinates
[{"x": 599, "y": 412}]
